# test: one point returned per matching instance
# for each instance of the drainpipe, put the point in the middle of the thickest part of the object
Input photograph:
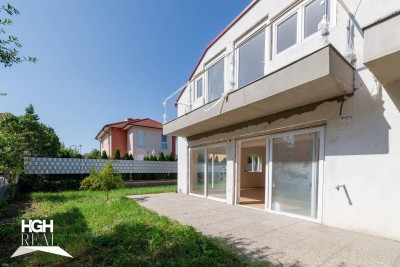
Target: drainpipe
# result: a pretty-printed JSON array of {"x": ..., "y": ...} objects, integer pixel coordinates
[{"x": 349, "y": 54}]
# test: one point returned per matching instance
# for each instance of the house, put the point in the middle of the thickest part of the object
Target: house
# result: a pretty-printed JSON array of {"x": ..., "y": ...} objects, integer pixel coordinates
[
  {"x": 294, "y": 109},
  {"x": 138, "y": 137}
]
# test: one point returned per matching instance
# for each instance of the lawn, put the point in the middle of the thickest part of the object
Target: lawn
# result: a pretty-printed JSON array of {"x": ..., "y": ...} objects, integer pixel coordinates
[{"x": 117, "y": 232}]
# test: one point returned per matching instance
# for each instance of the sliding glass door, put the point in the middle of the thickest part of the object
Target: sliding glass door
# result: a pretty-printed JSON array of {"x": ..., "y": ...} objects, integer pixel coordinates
[
  {"x": 216, "y": 172},
  {"x": 197, "y": 171},
  {"x": 208, "y": 171},
  {"x": 293, "y": 173}
]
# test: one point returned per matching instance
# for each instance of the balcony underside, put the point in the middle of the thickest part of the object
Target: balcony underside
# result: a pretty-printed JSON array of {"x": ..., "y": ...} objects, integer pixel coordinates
[
  {"x": 321, "y": 75},
  {"x": 382, "y": 49}
]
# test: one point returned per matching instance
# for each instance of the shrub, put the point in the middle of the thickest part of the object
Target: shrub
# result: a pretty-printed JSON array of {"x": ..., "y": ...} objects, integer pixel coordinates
[
  {"x": 153, "y": 158},
  {"x": 104, "y": 155},
  {"x": 126, "y": 156},
  {"x": 106, "y": 180},
  {"x": 161, "y": 157},
  {"x": 117, "y": 154},
  {"x": 170, "y": 157},
  {"x": 131, "y": 157}
]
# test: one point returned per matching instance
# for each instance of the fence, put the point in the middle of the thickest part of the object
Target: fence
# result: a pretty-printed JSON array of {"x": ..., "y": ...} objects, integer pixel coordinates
[{"x": 78, "y": 166}]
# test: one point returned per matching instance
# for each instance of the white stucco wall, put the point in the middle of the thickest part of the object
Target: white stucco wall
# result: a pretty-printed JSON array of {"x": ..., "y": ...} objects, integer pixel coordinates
[
  {"x": 152, "y": 142},
  {"x": 362, "y": 151},
  {"x": 105, "y": 143}
]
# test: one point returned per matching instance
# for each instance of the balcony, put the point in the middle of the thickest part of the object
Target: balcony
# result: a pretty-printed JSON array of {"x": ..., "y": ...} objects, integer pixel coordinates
[
  {"x": 382, "y": 49},
  {"x": 319, "y": 76}
]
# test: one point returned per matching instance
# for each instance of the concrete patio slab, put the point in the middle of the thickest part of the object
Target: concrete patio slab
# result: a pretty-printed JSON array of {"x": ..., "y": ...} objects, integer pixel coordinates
[{"x": 282, "y": 240}]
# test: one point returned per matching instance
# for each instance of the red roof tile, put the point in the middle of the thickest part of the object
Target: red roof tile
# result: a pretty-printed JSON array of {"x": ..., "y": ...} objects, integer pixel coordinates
[{"x": 132, "y": 122}]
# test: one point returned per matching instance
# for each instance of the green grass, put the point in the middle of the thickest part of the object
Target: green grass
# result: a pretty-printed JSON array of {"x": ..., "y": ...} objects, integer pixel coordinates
[{"x": 117, "y": 232}]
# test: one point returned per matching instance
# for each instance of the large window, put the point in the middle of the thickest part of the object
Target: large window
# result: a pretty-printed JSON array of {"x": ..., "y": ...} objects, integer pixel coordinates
[
  {"x": 301, "y": 24},
  {"x": 216, "y": 80},
  {"x": 208, "y": 171},
  {"x": 313, "y": 14},
  {"x": 286, "y": 33},
  {"x": 251, "y": 60},
  {"x": 216, "y": 172},
  {"x": 294, "y": 173},
  {"x": 197, "y": 171},
  {"x": 141, "y": 139},
  {"x": 163, "y": 142}
]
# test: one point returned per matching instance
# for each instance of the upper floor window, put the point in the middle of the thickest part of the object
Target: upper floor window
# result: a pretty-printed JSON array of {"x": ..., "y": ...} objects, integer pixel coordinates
[
  {"x": 199, "y": 88},
  {"x": 286, "y": 33},
  {"x": 251, "y": 56},
  {"x": 163, "y": 141},
  {"x": 300, "y": 24},
  {"x": 313, "y": 14},
  {"x": 216, "y": 80},
  {"x": 141, "y": 139}
]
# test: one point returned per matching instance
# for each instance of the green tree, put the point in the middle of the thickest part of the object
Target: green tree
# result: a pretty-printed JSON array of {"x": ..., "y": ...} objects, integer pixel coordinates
[
  {"x": 161, "y": 157},
  {"x": 9, "y": 46},
  {"x": 171, "y": 157},
  {"x": 104, "y": 155},
  {"x": 117, "y": 154},
  {"x": 126, "y": 156},
  {"x": 24, "y": 136},
  {"x": 106, "y": 180},
  {"x": 68, "y": 152},
  {"x": 94, "y": 154}
]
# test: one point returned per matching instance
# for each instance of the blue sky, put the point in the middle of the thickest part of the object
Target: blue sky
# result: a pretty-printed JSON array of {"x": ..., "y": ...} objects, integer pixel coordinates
[{"x": 103, "y": 61}]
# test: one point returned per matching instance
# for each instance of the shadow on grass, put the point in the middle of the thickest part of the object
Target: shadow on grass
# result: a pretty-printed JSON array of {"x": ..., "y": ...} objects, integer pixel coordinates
[
  {"x": 71, "y": 233},
  {"x": 144, "y": 240}
]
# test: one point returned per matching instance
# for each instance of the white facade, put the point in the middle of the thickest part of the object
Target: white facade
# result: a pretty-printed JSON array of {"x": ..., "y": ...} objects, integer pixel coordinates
[
  {"x": 359, "y": 138},
  {"x": 151, "y": 142}
]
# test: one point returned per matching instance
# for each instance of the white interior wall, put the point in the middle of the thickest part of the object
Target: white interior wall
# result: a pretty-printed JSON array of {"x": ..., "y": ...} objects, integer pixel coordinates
[{"x": 252, "y": 179}]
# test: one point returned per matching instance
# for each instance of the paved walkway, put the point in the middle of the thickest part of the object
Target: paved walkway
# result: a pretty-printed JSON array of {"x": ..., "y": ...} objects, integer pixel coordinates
[{"x": 282, "y": 240}]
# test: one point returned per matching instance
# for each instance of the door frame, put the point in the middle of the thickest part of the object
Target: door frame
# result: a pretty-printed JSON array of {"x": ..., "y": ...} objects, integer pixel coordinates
[
  {"x": 238, "y": 166},
  {"x": 205, "y": 148},
  {"x": 268, "y": 171},
  {"x": 320, "y": 173}
]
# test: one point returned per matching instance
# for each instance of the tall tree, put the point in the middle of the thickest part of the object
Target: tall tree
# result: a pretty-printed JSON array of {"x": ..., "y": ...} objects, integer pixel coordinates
[{"x": 24, "y": 136}]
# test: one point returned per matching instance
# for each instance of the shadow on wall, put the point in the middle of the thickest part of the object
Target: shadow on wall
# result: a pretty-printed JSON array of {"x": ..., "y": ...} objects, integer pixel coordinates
[
  {"x": 362, "y": 128},
  {"x": 393, "y": 91}
]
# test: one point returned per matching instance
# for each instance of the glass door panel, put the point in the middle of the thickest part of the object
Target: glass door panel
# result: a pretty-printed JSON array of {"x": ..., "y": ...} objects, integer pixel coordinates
[
  {"x": 216, "y": 172},
  {"x": 197, "y": 171},
  {"x": 294, "y": 161}
]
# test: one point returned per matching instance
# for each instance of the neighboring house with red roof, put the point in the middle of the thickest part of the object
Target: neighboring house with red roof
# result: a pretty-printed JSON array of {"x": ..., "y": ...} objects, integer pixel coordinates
[{"x": 138, "y": 137}]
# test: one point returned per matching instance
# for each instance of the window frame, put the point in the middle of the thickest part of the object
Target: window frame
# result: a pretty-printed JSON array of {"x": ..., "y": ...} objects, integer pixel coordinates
[
  {"x": 253, "y": 163},
  {"x": 205, "y": 149},
  {"x": 300, "y": 10},
  {"x": 208, "y": 65},
  {"x": 138, "y": 139},
  {"x": 196, "y": 97},
  {"x": 243, "y": 40},
  {"x": 164, "y": 142}
]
